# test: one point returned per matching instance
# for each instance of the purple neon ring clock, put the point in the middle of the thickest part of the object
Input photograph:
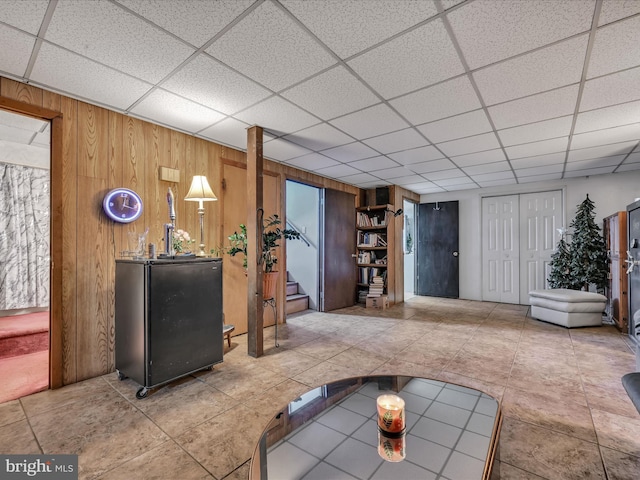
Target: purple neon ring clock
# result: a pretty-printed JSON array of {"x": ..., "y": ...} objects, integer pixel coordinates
[{"x": 122, "y": 205}]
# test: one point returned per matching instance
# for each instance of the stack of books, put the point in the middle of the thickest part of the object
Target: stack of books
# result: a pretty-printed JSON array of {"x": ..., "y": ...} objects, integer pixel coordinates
[{"x": 376, "y": 287}]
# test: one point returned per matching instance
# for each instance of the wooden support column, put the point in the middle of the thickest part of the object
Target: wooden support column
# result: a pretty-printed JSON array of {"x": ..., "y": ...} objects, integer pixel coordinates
[{"x": 255, "y": 213}]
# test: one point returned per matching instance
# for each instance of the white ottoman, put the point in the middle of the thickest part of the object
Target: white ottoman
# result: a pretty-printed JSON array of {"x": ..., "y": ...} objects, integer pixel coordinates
[{"x": 569, "y": 308}]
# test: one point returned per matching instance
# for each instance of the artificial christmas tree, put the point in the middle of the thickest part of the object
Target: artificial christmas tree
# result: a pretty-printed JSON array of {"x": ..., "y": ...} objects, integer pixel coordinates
[{"x": 559, "y": 276}]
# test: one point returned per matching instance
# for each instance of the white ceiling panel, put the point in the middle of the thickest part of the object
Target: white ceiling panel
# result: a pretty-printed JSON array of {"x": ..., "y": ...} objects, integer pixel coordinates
[
  {"x": 540, "y": 178},
  {"x": 15, "y": 135},
  {"x": 57, "y": 68},
  {"x": 542, "y": 170},
  {"x": 604, "y": 137},
  {"x": 416, "y": 155},
  {"x": 633, "y": 158},
  {"x": 615, "y": 48},
  {"x": 229, "y": 131},
  {"x": 487, "y": 168},
  {"x": 411, "y": 180},
  {"x": 613, "y": 10},
  {"x": 160, "y": 106},
  {"x": 338, "y": 171},
  {"x": 478, "y": 143},
  {"x": 108, "y": 34},
  {"x": 488, "y": 156},
  {"x": 397, "y": 141},
  {"x": 206, "y": 81},
  {"x": 609, "y": 162},
  {"x": 589, "y": 172},
  {"x": 603, "y": 151},
  {"x": 445, "y": 174},
  {"x": 16, "y": 121},
  {"x": 377, "y": 183},
  {"x": 313, "y": 161},
  {"x": 319, "y": 137},
  {"x": 433, "y": 166},
  {"x": 374, "y": 163},
  {"x": 607, "y": 117},
  {"x": 440, "y": 101},
  {"x": 424, "y": 189},
  {"x": 538, "y": 148},
  {"x": 627, "y": 167},
  {"x": 281, "y": 150},
  {"x": 423, "y": 56},
  {"x": 331, "y": 94},
  {"x": 277, "y": 115},
  {"x": 557, "y": 127},
  {"x": 270, "y": 47},
  {"x": 350, "y": 152},
  {"x": 16, "y": 50},
  {"x": 395, "y": 172},
  {"x": 350, "y": 27},
  {"x": 359, "y": 179},
  {"x": 507, "y": 174},
  {"x": 539, "y": 160},
  {"x": 496, "y": 183},
  {"x": 450, "y": 182},
  {"x": 195, "y": 25},
  {"x": 535, "y": 108},
  {"x": 370, "y": 122},
  {"x": 459, "y": 126},
  {"x": 26, "y": 15},
  {"x": 535, "y": 72},
  {"x": 489, "y": 31},
  {"x": 611, "y": 89}
]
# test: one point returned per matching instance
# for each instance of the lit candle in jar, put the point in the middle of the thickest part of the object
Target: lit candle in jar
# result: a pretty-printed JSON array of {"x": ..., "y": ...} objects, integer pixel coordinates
[{"x": 391, "y": 414}]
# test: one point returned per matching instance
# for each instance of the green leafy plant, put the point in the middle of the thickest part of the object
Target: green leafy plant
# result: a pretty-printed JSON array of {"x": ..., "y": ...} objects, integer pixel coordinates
[{"x": 271, "y": 235}]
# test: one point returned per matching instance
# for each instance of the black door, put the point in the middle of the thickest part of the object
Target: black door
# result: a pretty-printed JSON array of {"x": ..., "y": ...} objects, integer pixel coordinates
[
  {"x": 339, "y": 274},
  {"x": 438, "y": 249},
  {"x": 633, "y": 229}
]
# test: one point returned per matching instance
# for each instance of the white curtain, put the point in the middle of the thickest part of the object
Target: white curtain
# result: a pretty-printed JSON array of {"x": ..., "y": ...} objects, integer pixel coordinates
[{"x": 24, "y": 237}]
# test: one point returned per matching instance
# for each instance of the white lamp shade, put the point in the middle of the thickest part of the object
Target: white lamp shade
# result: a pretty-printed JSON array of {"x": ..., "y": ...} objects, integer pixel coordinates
[{"x": 200, "y": 190}]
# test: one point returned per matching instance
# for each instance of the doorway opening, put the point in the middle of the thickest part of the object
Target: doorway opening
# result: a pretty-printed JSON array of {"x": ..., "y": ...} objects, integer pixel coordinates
[{"x": 408, "y": 248}]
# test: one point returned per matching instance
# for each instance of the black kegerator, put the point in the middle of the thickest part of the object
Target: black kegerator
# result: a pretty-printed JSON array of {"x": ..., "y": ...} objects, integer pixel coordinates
[{"x": 168, "y": 318}]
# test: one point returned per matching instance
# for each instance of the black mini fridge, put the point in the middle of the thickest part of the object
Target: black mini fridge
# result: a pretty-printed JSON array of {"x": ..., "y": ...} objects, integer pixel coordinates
[{"x": 168, "y": 318}]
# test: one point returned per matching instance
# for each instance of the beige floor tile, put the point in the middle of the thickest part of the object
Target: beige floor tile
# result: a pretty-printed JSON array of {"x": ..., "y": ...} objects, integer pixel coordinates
[
  {"x": 17, "y": 438},
  {"x": 492, "y": 389},
  {"x": 619, "y": 465},
  {"x": 323, "y": 373},
  {"x": 287, "y": 363},
  {"x": 269, "y": 401},
  {"x": 617, "y": 432},
  {"x": 509, "y": 472},
  {"x": 323, "y": 348},
  {"x": 244, "y": 381},
  {"x": 11, "y": 412}
]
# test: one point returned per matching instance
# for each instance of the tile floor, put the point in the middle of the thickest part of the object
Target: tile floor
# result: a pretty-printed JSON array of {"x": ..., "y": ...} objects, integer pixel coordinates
[{"x": 566, "y": 414}]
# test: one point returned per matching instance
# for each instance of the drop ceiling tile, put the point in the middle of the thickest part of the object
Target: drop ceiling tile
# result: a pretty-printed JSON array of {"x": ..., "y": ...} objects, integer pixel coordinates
[
  {"x": 539, "y": 160},
  {"x": 540, "y": 178},
  {"x": 426, "y": 189},
  {"x": 205, "y": 81},
  {"x": 312, "y": 162},
  {"x": 444, "y": 174},
  {"x": 26, "y": 15},
  {"x": 331, "y": 94},
  {"x": 393, "y": 173},
  {"x": 337, "y": 171},
  {"x": 447, "y": 4},
  {"x": 601, "y": 162},
  {"x": 15, "y": 135},
  {"x": 588, "y": 172},
  {"x": 459, "y": 126},
  {"x": 350, "y": 152},
  {"x": 487, "y": 168},
  {"x": 613, "y": 10},
  {"x": 449, "y": 182},
  {"x": 497, "y": 183},
  {"x": 168, "y": 109},
  {"x": 375, "y": 184},
  {"x": 607, "y": 117},
  {"x": 611, "y": 89},
  {"x": 359, "y": 178},
  {"x": 537, "y": 148},
  {"x": 627, "y": 167},
  {"x": 545, "y": 69},
  {"x": 542, "y": 170},
  {"x": 557, "y": 127},
  {"x": 350, "y": 27},
  {"x": 411, "y": 61},
  {"x": 488, "y": 31},
  {"x": 319, "y": 137},
  {"x": 229, "y": 131},
  {"x": 374, "y": 163},
  {"x": 607, "y": 136},
  {"x": 370, "y": 122},
  {"x": 15, "y": 52},
  {"x": 22, "y": 122},
  {"x": 411, "y": 180},
  {"x": 440, "y": 101},
  {"x": 535, "y": 108},
  {"x": 507, "y": 174},
  {"x": 281, "y": 150},
  {"x": 194, "y": 22},
  {"x": 277, "y": 115},
  {"x": 478, "y": 143},
  {"x": 42, "y": 140},
  {"x": 110, "y": 35},
  {"x": 432, "y": 166},
  {"x": 488, "y": 156},
  {"x": 602, "y": 151},
  {"x": 633, "y": 158},
  {"x": 270, "y": 47},
  {"x": 397, "y": 141},
  {"x": 618, "y": 37},
  {"x": 57, "y": 68},
  {"x": 416, "y": 155}
]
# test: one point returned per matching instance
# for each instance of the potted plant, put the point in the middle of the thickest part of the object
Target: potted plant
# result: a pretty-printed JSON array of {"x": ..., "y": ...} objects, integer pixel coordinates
[{"x": 271, "y": 235}]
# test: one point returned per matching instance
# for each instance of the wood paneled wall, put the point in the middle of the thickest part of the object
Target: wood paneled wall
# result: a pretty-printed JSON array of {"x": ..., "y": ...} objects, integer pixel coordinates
[{"x": 102, "y": 150}]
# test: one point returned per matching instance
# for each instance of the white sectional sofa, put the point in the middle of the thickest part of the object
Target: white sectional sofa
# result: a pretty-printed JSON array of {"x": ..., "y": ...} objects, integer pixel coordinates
[{"x": 569, "y": 308}]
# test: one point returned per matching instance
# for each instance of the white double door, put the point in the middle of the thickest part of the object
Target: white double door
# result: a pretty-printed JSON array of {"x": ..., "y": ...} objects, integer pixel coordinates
[{"x": 519, "y": 234}]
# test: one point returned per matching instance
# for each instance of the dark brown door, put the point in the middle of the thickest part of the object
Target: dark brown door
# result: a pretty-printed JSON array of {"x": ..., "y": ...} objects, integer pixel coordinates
[
  {"x": 438, "y": 249},
  {"x": 338, "y": 277}
]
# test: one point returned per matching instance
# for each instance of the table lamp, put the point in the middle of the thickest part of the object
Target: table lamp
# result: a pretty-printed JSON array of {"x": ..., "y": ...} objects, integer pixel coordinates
[{"x": 200, "y": 191}]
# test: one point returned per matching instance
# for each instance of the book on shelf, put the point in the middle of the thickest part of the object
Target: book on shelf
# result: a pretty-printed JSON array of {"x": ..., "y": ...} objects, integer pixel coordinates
[{"x": 376, "y": 287}]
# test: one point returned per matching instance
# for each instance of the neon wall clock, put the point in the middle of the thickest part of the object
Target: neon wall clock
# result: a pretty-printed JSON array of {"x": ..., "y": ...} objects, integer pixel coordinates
[{"x": 122, "y": 205}]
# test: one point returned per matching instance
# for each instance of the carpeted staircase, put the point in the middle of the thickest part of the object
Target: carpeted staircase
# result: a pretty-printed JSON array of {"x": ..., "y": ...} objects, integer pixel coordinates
[
  {"x": 296, "y": 301},
  {"x": 24, "y": 355}
]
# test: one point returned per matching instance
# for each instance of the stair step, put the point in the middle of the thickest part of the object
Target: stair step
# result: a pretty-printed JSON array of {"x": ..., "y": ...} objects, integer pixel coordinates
[
  {"x": 292, "y": 288},
  {"x": 297, "y": 303}
]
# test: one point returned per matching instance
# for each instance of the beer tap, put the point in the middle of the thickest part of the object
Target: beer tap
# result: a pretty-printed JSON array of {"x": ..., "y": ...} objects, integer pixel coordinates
[{"x": 169, "y": 228}]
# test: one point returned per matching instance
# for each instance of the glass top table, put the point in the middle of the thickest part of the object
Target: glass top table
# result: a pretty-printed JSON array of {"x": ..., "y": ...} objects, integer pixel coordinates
[{"x": 331, "y": 432}]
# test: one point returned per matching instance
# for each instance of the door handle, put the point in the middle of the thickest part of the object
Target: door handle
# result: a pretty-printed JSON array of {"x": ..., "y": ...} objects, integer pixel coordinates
[
  {"x": 631, "y": 261},
  {"x": 455, "y": 254}
]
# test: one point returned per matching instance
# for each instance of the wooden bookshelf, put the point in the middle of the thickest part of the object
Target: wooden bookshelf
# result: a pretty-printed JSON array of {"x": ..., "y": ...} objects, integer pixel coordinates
[{"x": 374, "y": 232}]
